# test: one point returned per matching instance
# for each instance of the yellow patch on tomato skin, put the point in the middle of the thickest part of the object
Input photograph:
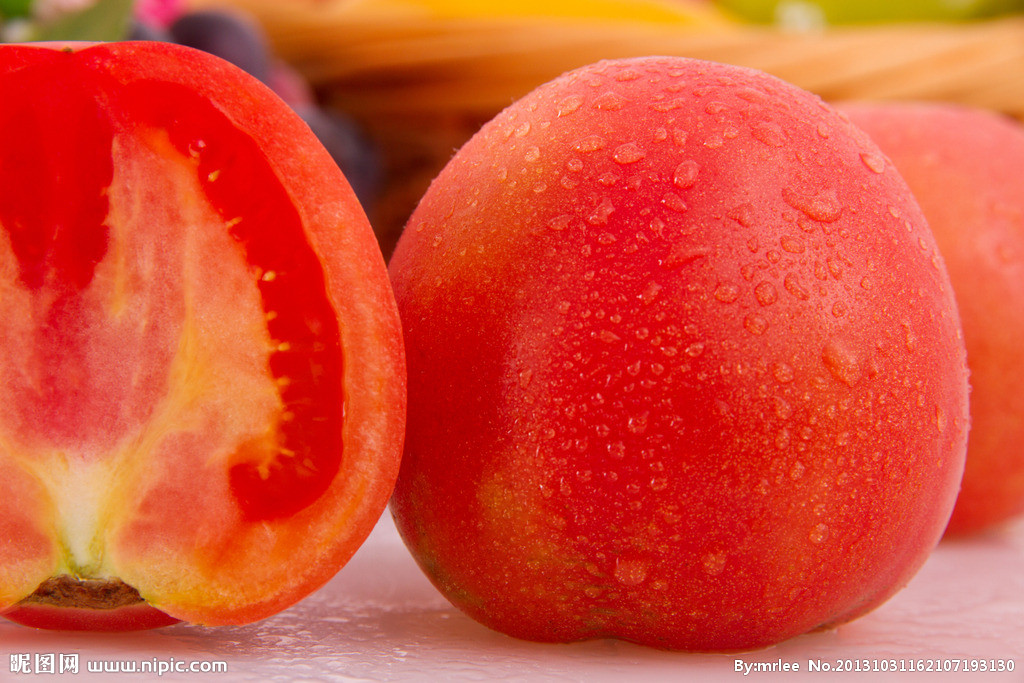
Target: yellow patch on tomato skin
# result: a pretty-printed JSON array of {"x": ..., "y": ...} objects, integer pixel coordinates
[{"x": 518, "y": 516}]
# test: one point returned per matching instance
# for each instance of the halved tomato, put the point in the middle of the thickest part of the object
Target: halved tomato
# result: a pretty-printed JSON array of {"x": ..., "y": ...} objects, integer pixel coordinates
[{"x": 203, "y": 385}]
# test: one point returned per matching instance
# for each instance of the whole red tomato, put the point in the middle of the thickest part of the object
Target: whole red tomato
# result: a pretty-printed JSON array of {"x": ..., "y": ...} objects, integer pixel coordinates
[{"x": 685, "y": 366}]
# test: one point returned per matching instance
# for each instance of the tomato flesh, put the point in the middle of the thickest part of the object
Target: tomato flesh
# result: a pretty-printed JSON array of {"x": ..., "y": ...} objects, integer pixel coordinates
[
  {"x": 58, "y": 234},
  {"x": 271, "y": 479}
]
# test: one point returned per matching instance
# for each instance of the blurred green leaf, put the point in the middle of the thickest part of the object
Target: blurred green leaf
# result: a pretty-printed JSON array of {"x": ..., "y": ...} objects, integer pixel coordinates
[
  {"x": 106, "y": 20},
  {"x": 14, "y": 8}
]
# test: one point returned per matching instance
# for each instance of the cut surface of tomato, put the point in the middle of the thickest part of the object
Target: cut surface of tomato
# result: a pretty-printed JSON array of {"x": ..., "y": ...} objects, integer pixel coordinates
[{"x": 202, "y": 368}]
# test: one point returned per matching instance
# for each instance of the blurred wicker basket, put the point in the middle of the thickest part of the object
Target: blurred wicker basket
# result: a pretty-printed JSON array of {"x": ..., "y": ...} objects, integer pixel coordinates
[{"x": 422, "y": 83}]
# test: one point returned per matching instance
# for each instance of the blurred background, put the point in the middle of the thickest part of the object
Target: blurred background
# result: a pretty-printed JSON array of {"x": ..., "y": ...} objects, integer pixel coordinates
[{"x": 394, "y": 87}]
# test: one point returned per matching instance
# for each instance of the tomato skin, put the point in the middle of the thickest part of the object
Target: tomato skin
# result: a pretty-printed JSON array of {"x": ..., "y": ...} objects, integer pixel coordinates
[
  {"x": 224, "y": 340},
  {"x": 138, "y": 617}
]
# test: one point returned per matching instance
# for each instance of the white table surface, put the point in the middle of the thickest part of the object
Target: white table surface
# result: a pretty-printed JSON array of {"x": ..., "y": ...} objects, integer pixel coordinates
[{"x": 379, "y": 619}]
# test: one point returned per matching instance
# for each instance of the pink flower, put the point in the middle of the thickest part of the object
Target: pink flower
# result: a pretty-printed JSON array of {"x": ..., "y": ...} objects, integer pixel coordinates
[{"x": 159, "y": 12}]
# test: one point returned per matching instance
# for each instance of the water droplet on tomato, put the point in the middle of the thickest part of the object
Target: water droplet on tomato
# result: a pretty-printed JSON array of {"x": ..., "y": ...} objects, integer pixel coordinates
[
  {"x": 823, "y": 206},
  {"x": 629, "y": 153},
  {"x": 796, "y": 472},
  {"x": 909, "y": 338},
  {"x": 674, "y": 202},
  {"x": 682, "y": 255},
  {"x": 766, "y": 293},
  {"x": 873, "y": 161},
  {"x": 769, "y": 133},
  {"x": 743, "y": 214},
  {"x": 755, "y": 324},
  {"x": 637, "y": 424},
  {"x": 664, "y": 106},
  {"x": 562, "y": 222},
  {"x": 714, "y": 563},
  {"x": 686, "y": 174},
  {"x": 602, "y": 211},
  {"x": 841, "y": 362},
  {"x": 569, "y": 105},
  {"x": 630, "y": 572},
  {"x": 610, "y": 101},
  {"x": 794, "y": 245},
  {"x": 591, "y": 143},
  {"x": 795, "y": 287},
  {"x": 783, "y": 372},
  {"x": 650, "y": 293},
  {"x": 714, "y": 140},
  {"x": 783, "y": 409},
  {"x": 727, "y": 293},
  {"x": 835, "y": 267}
]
